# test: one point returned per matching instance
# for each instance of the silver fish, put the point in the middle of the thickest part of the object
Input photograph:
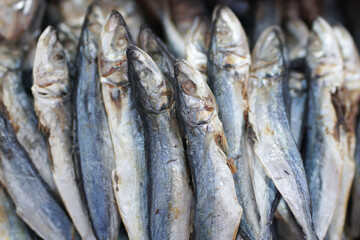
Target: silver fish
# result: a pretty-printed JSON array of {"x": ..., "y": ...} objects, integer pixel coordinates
[
  {"x": 34, "y": 202},
  {"x": 21, "y": 111},
  {"x": 170, "y": 193},
  {"x": 297, "y": 35},
  {"x": 11, "y": 226},
  {"x": 274, "y": 144},
  {"x": 324, "y": 158},
  {"x": 229, "y": 68},
  {"x": 352, "y": 85},
  {"x": 351, "y": 60},
  {"x": 130, "y": 176},
  {"x": 196, "y": 44},
  {"x": 158, "y": 51},
  {"x": 217, "y": 212},
  {"x": 51, "y": 91},
  {"x": 93, "y": 146}
]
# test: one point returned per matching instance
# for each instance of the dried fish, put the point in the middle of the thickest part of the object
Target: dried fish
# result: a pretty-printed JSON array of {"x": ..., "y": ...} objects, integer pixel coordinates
[
  {"x": 229, "y": 68},
  {"x": 34, "y": 202},
  {"x": 130, "y": 176},
  {"x": 21, "y": 111},
  {"x": 51, "y": 91},
  {"x": 93, "y": 146},
  {"x": 324, "y": 158},
  {"x": 215, "y": 195},
  {"x": 170, "y": 194},
  {"x": 274, "y": 144}
]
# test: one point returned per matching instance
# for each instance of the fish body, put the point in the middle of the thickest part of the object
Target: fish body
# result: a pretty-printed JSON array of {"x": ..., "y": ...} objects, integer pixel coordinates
[
  {"x": 130, "y": 176},
  {"x": 11, "y": 226},
  {"x": 34, "y": 202},
  {"x": 351, "y": 73},
  {"x": 93, "y": 146},
  {"x": 324, "y": 157},
  {"x": 170, "y": 193},
  {"x": 217, "y": 212},
  {"x": 265, "y": 193},
  {"x": 298, "y": 94},
  {"x": 274, "y": 144},
  {"x": 267, "y": 13},
  {"x": 51, "y": 91},
  {"x": 296, "y": 36},
  {"x": 229, "y": 67},
  {"x": 21, "y": 111}
]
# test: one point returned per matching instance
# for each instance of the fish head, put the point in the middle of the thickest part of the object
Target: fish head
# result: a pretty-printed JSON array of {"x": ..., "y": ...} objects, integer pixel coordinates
[
  {"x": 151, "y": 44},
  {"x": 350, "y": 57},
  {"x": 228, "y": 43},
  {"x": 16, "y": 16},
  {"x": 197, "y": 42},
  {"x": 91, "y": 30},
  {"x": 324, "y": 60},
  {"x": 151, "y": 88},
  {"x": 50, "y": 69},
  {"x": 114, "y": 40},
  {"x": 269, "y": 57},
  {"x": 297, "y": 35},
  {"x": 195, "y": 101}
]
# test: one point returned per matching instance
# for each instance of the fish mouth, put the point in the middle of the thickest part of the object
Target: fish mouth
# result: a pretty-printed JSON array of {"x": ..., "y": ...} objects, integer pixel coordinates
[{"x": 48, "y": 37}]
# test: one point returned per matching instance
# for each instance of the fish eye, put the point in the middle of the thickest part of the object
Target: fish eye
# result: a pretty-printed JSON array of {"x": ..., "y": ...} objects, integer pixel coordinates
[
  {"x": 120, "y": 43},
  {"x": 143, "y": 74},
  {"x": 188, "y": 87},
  {"x": 59, "y": 57}
]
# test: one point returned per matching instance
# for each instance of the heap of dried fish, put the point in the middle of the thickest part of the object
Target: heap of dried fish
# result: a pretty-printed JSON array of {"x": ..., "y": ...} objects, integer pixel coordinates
[{"x": 105, "y": 135}]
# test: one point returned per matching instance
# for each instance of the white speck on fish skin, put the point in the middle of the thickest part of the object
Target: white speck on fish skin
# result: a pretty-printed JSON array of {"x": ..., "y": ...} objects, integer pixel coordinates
[{"x": 20, "y": 5}]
